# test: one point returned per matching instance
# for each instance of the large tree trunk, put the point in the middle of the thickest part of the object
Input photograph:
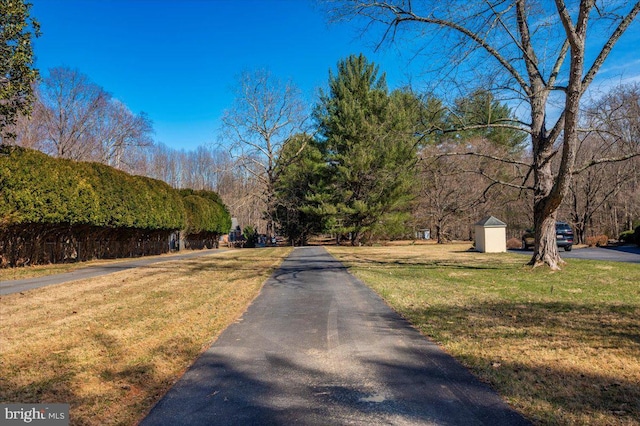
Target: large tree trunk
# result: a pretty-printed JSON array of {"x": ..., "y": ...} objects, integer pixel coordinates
[
  {"x": 548, "y": 196},
  {"x": 546, "y": 249},
  {"x": 550, "y": 190},
  {"x": 581, "y": 232},
  {"x": 546, "y": 199},
  {"x": 545, "y": 208}
]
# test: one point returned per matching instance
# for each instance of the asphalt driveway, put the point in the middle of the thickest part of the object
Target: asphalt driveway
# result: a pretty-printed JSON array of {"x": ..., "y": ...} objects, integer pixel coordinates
[
  {"x": 317, "y": 347},
  {"x": 627, "y": 254}
]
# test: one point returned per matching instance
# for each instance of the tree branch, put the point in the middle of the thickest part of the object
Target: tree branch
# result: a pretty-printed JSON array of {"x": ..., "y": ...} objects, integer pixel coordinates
[
  {"x": 556, "y": 67},
  {"x": 594, "y": 162},
  {"x": 530, "y": 58},
  {"x": 484, "y": 126},
  {"x": 401, "y": 15},
  {"x": 477, "y": 154},
  {"x": 604, "y": 53},
  {"x": 496, "y": 181}
]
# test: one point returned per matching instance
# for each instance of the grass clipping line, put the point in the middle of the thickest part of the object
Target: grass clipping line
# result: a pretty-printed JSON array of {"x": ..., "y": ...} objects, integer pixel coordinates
[
  {"x": 112, "y": 346},
  {"x": 561, "y": 347}
]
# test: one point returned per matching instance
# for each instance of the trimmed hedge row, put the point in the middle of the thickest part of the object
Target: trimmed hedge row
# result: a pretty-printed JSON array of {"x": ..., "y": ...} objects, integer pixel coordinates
[
  {"x": 54, "y": 210},
  {"x": 207, "y": 218},
  {"x": 205, "y": 212},
  {"x": 39, "y": 189}
]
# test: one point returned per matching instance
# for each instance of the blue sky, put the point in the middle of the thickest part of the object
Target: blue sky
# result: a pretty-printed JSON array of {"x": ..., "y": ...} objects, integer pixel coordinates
[{"x": 178, "y": 60}]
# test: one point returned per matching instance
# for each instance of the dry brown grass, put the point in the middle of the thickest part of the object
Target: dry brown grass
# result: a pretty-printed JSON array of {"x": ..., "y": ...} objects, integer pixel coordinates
[
  {"x": 36, "y": 271},
  {"x": 111, "y": 346},
  {"x": 7, "y": 274},
  {"x": 563, "y": 347}
]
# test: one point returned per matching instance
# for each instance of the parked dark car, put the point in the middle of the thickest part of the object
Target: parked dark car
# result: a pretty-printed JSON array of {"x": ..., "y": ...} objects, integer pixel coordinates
[{"x": 564, "y": 237}]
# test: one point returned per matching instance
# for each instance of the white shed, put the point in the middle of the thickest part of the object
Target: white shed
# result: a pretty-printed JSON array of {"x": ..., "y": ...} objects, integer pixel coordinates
[{"x": 491, "y": 235}]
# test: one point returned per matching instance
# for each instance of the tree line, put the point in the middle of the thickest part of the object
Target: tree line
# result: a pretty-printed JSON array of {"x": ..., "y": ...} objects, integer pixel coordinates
[
  {"x": 379, "y": 164},
  {"x": 445, "y": 163}
]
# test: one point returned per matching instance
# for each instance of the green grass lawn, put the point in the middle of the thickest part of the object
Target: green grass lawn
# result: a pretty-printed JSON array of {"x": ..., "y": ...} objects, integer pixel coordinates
[{"x": 561, "y": 347}]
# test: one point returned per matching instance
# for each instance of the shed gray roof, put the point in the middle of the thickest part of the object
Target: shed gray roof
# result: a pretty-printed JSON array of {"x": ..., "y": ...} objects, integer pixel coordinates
[{"x": 491, "y": 222}]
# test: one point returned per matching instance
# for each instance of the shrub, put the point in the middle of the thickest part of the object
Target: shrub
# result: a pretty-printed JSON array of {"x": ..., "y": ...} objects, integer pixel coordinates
[
  {"x": 514, "y": 243},
  {"x": 597, "y": 241},
  {"x": 636, "y": 233},
  {"x": 627, "y": 237},
  {"x": 250, "y": 235}
]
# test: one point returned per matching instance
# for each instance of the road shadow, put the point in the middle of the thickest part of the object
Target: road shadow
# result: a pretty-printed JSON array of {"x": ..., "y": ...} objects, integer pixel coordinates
[
  {"x": 624, "y": 249},
  {"x": 219, "y": 390}
]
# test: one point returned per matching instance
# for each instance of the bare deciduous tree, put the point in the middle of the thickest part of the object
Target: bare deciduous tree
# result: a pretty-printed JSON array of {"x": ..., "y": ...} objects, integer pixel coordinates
[
  {"x": 450, "y": 190},
  {"x": 28, "y": 130},
  {"x": 164, "y": 163},
  {"x": 265, "y": 115},
  {"x": 595, "y": 186},
  {"x": 70, "y": 106},
  {"x": 119, "y": 132},
  {"x": 533, "y": 49},
  {"x": 614, "y": 121},
  {"x": 75, "y": 118}
]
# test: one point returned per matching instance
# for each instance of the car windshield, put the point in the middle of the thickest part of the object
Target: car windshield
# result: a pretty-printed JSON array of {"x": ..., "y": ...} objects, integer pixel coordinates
[{"x": 563, "y": 227}]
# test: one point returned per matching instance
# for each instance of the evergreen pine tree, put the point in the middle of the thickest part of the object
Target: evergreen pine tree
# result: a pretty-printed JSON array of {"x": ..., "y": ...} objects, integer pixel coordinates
[{"x": 368, "y": 139}]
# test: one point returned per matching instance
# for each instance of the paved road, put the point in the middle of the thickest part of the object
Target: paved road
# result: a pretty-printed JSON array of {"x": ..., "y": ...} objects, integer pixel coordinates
[
  {"x": 317, "y": 347},
  {"x": 627, "y": 254},
  {"x": 15, "y": 286}
]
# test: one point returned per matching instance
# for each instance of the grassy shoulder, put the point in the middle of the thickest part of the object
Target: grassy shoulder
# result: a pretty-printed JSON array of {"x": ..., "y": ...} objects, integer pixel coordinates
[
  {"x": 112, "y": 345},
  {"x": 7, "y": 274},
  {"x": 24, "y": 272},
  {"x": 561, "y": 347}
]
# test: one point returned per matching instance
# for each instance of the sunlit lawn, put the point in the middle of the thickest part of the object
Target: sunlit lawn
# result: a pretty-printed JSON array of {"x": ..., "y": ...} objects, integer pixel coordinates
[
  {"x": 111, "y": 346},
  {"x": 561, "y": 347},
  {"x": 36, "y": 271}
]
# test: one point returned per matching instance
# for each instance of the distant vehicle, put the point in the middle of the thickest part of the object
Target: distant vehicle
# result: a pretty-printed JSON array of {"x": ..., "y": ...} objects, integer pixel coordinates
[{"x": 564, "y": 237}]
